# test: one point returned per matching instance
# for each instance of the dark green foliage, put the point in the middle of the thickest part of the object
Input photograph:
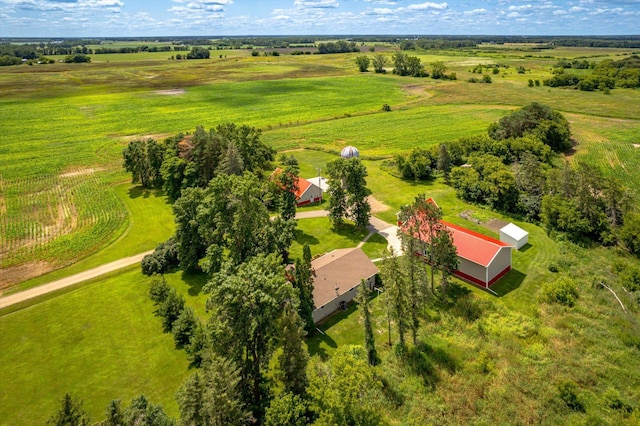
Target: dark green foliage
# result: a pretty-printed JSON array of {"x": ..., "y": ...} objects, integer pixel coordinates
[
  {"x": 563, "y": 291},
  {"x": 630, "y": 278},
  {"x": 629, "y": 233},
  {"x": 537, "y": 119},
  {"x": 287, "y": 409},
  {"x": 405, "y": 65},
  {"x": 363, "y": 62},
  {"x": 7, "y": 60},
  {"x": 70, "y": 413},
  {"x": 185, "y": 327},
  {"x": 379, "y": 62},
  {"x": 340, "y": 46},
  {"x": 345, "y": 390},
  {"x": 77, "y": 58},
  {"x": 143, "y": 159},
  {"x": 170, "y": 309},
  {"x": 142, "y": 412},
  {"x": 286, "y": 185},
  {"x": 395, "y": 294},
  {"x": 346, "y": 179},
  {"x": 444, "y": 256},
  {"x": 159, "y": 290},
  {"x": 486, "y": 181},
  {"x": 568, "y": 392},
  {"x": 246, "y": 303},
  {"x": 191, "y": 244},
  {"x": 419, "y": 164},
  {"x": 614, "y": 401},
  {"x": 303, "y": 282},
  {"x": 369, "y": 340},
  {"x": 438, "y": 69},
  {"x": 114, "y": 414},
  {"x": 197, "y": 345},
  {"x": 444, "y": 161},
  {"x": 198, "y": 52},
  {"x": 293, "y": 359},
  {"x": 163, "y": 259}
]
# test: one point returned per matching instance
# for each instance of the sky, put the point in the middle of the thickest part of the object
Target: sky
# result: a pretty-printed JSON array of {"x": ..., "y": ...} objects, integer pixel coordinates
[{"x": 117, "y": 18}]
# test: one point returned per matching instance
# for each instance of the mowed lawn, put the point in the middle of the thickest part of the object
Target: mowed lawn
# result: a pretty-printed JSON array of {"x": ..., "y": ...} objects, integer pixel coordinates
[{"x": 100, "y": 342}]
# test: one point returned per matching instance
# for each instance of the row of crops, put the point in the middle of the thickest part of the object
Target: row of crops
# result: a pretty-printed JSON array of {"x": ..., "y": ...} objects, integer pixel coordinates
[{"x": 56, "y": 218}]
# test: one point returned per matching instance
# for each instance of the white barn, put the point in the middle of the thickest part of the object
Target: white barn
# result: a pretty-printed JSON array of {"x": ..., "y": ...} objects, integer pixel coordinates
[{"x": 514, "y": 235}]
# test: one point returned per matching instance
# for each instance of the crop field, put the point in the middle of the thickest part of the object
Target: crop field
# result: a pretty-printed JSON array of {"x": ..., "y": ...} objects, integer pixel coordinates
[{"x": 54, "y": 219}]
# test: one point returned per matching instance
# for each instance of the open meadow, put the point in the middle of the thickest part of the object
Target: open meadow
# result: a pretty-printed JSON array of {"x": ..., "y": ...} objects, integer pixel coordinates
[{"x": 67, "y": 205}]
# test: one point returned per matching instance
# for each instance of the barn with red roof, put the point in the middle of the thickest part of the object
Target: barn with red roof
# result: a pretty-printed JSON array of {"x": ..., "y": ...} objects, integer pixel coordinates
[
  {"x": 307, "y": 191},
  {"x": 482, "y": 260}
]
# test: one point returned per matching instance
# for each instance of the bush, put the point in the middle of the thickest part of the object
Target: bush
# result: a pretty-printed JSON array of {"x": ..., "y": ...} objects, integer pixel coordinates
[
  {"x": 630, "y": 279},
  {"x": 184, "y": 328},
  {"x": 563, "y": 291},
  {"x": 256, "y": 53},
  {"x": 159, "y": 290},
  {"x": 568, "y": 391},
  {"x": 170, "y": 310}
]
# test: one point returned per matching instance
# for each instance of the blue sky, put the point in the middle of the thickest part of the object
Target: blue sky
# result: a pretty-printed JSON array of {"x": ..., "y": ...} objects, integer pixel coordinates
[{"x": 104, "y": 18}]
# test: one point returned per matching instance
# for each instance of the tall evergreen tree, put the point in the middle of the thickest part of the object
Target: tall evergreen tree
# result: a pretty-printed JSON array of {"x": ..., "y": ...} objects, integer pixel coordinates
[
  {"x": 303, "y": 281},
  {"x": 394, "y": 282},
  {"x": 114, "y": 414},
  {"x": 293, "y": 359},
  {"x": 70, "y": 413},
  {"x": 369, "y": 341}
]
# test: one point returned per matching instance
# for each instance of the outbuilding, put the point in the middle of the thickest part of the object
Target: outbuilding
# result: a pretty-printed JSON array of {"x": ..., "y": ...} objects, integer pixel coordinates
[
  {"x": 482, "y": 260},
  {"x": 514, "y": 235},
  {"x": 307, "y": 191},
  {"x": 336, "y": 277}
]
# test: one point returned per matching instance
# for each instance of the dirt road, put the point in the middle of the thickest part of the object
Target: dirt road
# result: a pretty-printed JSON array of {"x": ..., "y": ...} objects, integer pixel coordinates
[{"x": 74, "y": 279}]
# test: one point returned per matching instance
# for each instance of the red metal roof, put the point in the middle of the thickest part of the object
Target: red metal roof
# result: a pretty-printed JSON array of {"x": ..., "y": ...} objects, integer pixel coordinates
[
  {"x": 302, "y": 184},
  {"x": 473, "y": 246}
]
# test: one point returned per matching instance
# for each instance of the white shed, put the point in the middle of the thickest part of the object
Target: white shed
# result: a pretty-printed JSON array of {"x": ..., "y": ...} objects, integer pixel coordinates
[{"x": 514, "y": 235}]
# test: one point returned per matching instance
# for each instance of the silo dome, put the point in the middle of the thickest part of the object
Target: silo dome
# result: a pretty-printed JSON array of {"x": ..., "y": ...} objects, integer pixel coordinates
[{"x": 350, "y": 152}]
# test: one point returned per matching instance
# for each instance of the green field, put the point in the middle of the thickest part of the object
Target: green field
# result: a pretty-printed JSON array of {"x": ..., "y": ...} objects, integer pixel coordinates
[{"x": 65, "y": 202}]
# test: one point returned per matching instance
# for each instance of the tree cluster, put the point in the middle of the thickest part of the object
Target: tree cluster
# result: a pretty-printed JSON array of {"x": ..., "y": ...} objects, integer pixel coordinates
[
  {"x": 182, "y": 162},
  {"x": 409, "y": 281},
  {"x": 348, "y": 192},
  {"x": 340, "y": 46}
]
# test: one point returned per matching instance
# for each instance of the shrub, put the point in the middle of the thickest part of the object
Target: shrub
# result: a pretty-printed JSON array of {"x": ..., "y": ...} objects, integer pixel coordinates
[
  {"x": 563, "y": 291},
  {"x": 159, "y": 290},
  {"x": 630, "y": 279},
  {"x": 255, "y": 53},
  {"x": 568, "y": 391}
]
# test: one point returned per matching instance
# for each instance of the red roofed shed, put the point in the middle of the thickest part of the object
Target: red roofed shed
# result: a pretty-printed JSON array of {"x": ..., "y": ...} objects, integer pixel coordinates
[
  {"x": 307, "y": 192},
  {"x": 482, "y": 260}
]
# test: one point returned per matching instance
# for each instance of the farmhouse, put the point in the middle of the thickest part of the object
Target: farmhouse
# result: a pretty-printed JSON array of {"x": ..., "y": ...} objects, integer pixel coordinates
[
  {"x": 307, "y": 192},
  {"x": 514, "y": 235},
  {"x": 336, "y": 277},
  {"x": 482, "y": 260}
]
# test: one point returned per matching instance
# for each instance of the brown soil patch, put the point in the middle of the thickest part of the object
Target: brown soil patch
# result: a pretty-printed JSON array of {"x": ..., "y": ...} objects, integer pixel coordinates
[
  {"x": 495, "y": 225},
  {"x": 171, "y": 92},
  {"x": 492, "y": 224},
  {"x": 377, "y": 206},
  {"x": 416, "y": 90},
  {"x": 156, "y": 136},
  {"x": 78, "y": 172},
  {"x": 15, "y": 274}
]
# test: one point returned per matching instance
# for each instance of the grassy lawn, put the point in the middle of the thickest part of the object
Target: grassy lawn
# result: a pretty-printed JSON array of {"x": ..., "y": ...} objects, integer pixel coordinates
[
  {"x": 321, "y": 238},
  {"x": 100, "y": 342}
]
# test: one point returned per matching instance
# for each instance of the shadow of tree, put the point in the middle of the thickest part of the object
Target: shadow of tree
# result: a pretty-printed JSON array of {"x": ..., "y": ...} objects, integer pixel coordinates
[
  {"x": 140, "y": 191},
  {"x": 195, "y": 280}
]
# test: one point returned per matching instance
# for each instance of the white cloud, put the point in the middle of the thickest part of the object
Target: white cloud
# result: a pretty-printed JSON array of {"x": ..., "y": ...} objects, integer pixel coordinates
[
  {"x": 317, "y": 4},
  {"x": 427, "y": 5}
]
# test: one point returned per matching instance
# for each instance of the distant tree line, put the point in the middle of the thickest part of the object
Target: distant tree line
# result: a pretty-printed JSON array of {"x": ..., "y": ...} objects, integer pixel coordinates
[
  {"x": 340, "y": 46},
  {"x": 606, "y": 75}
]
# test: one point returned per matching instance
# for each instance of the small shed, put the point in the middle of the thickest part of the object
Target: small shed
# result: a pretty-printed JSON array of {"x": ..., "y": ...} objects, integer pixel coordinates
[
  {"x": 307, "y": 191},
  {"x": 336, "y": 277},
  {"x": 514, "y": 235}
]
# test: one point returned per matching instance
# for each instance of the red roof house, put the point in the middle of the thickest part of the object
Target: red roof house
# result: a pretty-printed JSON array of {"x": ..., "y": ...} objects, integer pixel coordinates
[
  {"x": 307, "y": 192},
  {"x": 482, "y": 260}
]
